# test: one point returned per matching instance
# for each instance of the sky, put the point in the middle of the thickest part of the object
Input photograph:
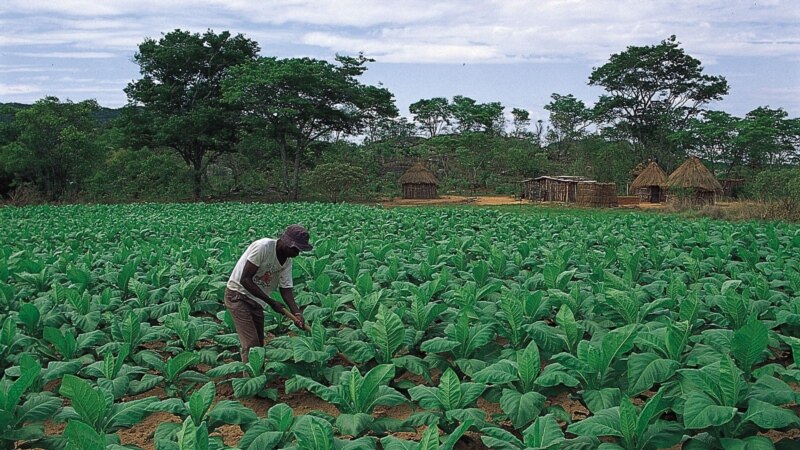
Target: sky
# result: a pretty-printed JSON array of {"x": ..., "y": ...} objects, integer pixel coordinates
[{"x": 514, "y": 52}]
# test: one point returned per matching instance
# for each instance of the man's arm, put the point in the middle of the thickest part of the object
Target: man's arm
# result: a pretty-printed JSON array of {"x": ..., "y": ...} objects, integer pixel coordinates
[
  {"x": 288, "y": 297},
  {"x": 247, "y": 282}
]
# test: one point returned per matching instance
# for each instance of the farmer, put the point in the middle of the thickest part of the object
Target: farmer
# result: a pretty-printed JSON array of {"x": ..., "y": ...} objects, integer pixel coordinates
[{"x": 265, "y": 264}]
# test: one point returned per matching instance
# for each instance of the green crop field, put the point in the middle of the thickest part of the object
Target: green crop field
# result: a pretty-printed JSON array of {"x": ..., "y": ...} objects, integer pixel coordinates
[{"x": 431, "y": 328}]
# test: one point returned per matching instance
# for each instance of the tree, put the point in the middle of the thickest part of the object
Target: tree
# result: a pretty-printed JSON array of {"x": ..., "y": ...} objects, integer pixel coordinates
[
  {"x": 432, "y": 115},
  {"x": 301, "y": 100},
  {"x": 652, "y": 91},
  {"x": 477, "y": 117},
  {"x": 337, "y": 181},
  {"x": 521, "y": 122},
  {"x": 178, "y": 101},
  {"x": 712, "y": 137},
  {"x": 569, "y": 119},
  {"x": 389, "y": 128},
  {"x": 56, "y": 145},
  {"x": 767, "y": 137}
]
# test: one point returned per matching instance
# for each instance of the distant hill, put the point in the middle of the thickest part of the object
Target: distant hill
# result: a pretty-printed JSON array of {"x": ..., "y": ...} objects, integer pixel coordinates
[{"x": 8, "y": 110}]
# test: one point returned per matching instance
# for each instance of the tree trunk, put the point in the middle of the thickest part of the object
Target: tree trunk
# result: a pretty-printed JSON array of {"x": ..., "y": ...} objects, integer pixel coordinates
[
  {"x": 296, "y": 168},
  {"x": 197, "y": 178},
  {"x": 285, "y": 162}
]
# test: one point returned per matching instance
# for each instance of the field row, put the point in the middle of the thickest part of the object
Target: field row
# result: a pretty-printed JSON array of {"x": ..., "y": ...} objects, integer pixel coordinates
[{"x": 667, "y": 332}]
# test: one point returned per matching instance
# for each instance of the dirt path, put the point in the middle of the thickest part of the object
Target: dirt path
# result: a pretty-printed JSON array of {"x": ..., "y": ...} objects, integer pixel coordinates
[{"x": 453, "y": 200}]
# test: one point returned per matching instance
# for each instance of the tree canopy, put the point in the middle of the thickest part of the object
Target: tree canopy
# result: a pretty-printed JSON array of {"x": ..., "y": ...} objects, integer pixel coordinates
[
  {"x": 651, "y": 91},
  {"x": 301, "y": 100},
  {"x": 180, "y": 95},
  {"x": 56, "y": 145}
]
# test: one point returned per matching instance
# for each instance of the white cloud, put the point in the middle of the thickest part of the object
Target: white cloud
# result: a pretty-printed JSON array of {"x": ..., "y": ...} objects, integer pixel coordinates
[
  {"x": 585, "y": 32},
  {"x": 17, "y": 89},
  {"x": 70, "y": 55}
]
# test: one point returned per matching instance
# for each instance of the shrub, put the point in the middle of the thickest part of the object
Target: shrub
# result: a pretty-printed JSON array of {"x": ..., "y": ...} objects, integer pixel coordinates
[{"x": 143, "y": 175}]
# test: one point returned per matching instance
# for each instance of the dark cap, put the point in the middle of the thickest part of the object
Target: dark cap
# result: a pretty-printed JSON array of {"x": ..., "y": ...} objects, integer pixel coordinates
[{"x": 297, "y": 236}]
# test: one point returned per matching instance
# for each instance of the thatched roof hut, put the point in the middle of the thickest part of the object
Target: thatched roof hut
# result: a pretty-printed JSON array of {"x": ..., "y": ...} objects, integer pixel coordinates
[
  {"x": 696, "y": 181},
  {"x": 651, "y": 183},
  {"x": 418, "y": 182}
]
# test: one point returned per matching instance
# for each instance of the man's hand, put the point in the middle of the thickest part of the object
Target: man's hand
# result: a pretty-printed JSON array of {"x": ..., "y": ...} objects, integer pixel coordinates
[{"x": 300, "y": 321}]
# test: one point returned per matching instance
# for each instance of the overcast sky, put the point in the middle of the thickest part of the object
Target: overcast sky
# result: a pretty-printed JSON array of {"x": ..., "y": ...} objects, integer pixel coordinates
[{"x": 511, "y": 51}]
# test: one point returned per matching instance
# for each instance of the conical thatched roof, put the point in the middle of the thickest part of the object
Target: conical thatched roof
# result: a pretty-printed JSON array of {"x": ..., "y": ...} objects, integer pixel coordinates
[
  {"x": 652, "y": 175},
  {"x": 418, "y": 174},
  {"x": 693, "y": 174}
]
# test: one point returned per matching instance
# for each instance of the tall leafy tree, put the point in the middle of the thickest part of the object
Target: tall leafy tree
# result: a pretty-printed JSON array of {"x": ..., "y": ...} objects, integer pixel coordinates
[
  {"x": 472, "y": 116},
  {"x": 521, "y": 121},
  {"x": 712, "y": 137},
  {"x": 652, "y": 91},
  {"x": 56, "y": 145},
  {"x": 299, "y": 101},
  {"x": 768, "y": 137},
  {"x": 432, "y": 115},
  {"x": 178, "y": 101},
  {"x": 569, "y": 120}
]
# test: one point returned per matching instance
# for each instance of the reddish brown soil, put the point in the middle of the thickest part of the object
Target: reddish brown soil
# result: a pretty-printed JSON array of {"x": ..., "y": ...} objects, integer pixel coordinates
[{"x": 453, "y": 200}]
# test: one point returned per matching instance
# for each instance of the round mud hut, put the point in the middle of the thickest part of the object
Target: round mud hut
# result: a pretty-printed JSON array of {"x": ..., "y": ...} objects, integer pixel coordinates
[
  {"x": 418, "y": 183},
  {"x": 650, "y": 185},
  {"x": 692, "y": 183}
]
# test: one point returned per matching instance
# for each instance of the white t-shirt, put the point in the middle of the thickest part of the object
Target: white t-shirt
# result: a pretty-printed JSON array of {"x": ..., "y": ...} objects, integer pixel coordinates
[{"x": 262, "y": 253}]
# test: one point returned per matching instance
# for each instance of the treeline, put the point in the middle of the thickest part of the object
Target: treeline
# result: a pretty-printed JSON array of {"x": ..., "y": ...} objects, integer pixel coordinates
[{"x": 209, "y": 117}]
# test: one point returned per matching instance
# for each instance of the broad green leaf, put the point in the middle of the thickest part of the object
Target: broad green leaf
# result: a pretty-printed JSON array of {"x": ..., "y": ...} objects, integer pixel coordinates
[
  {"x": 602, "y": 423},
  {"x": 179, "y": 363},
  {"x": 379, "y": 375},
  {"x": 749, "y": 343},
  {"x": 543, "y": 434},
  {"x": 521, "y": 408},
  {"x": 228, "y": 412},
  {"x": 748, "y": 443},
  {"x": 529, "y": 364},
  {"x": 438, "y": 345},
  {"x": 29, "y": 370},
  {"x": 393, "y": 443},
  {"x": 430, "y": 439},
  {"x": 566, "y": 320},
  {"x": 599, "y": 399},
  {"x": 449, "y": 392},
  {"x": 617, "y": 342},
  {"x": 676, "y": 339},
  {"x": 650, "y": 412},
  {"x": 353, "y": 424},
  {"x": 38, "y": 408},
  {"x": 254, "y": 432},
  {"x": 267, "y": 440},
  {"x": 768, "y": 416},
  {"x": 386, "y": 333},
  {"x": 313, "y": 433},
  {"x": 188, "y": 436},
  {"x": 87, "y": 402},
  {"x": 452, "y": 439},
  {"x": 248, "y": 387},
  {"x": 81, "y": 436},
  {"x": 281, "y": 417},
  {"x": 500, "y": 439},
  {"x": 200, "y": 401},
  {"x": 627, "y": 422},
  {"x": 647, "y": 369},
  {"x": 701, "y": 412},
  {"x": 731, "y": 384},
  {"x": 498, "y": 373}
]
